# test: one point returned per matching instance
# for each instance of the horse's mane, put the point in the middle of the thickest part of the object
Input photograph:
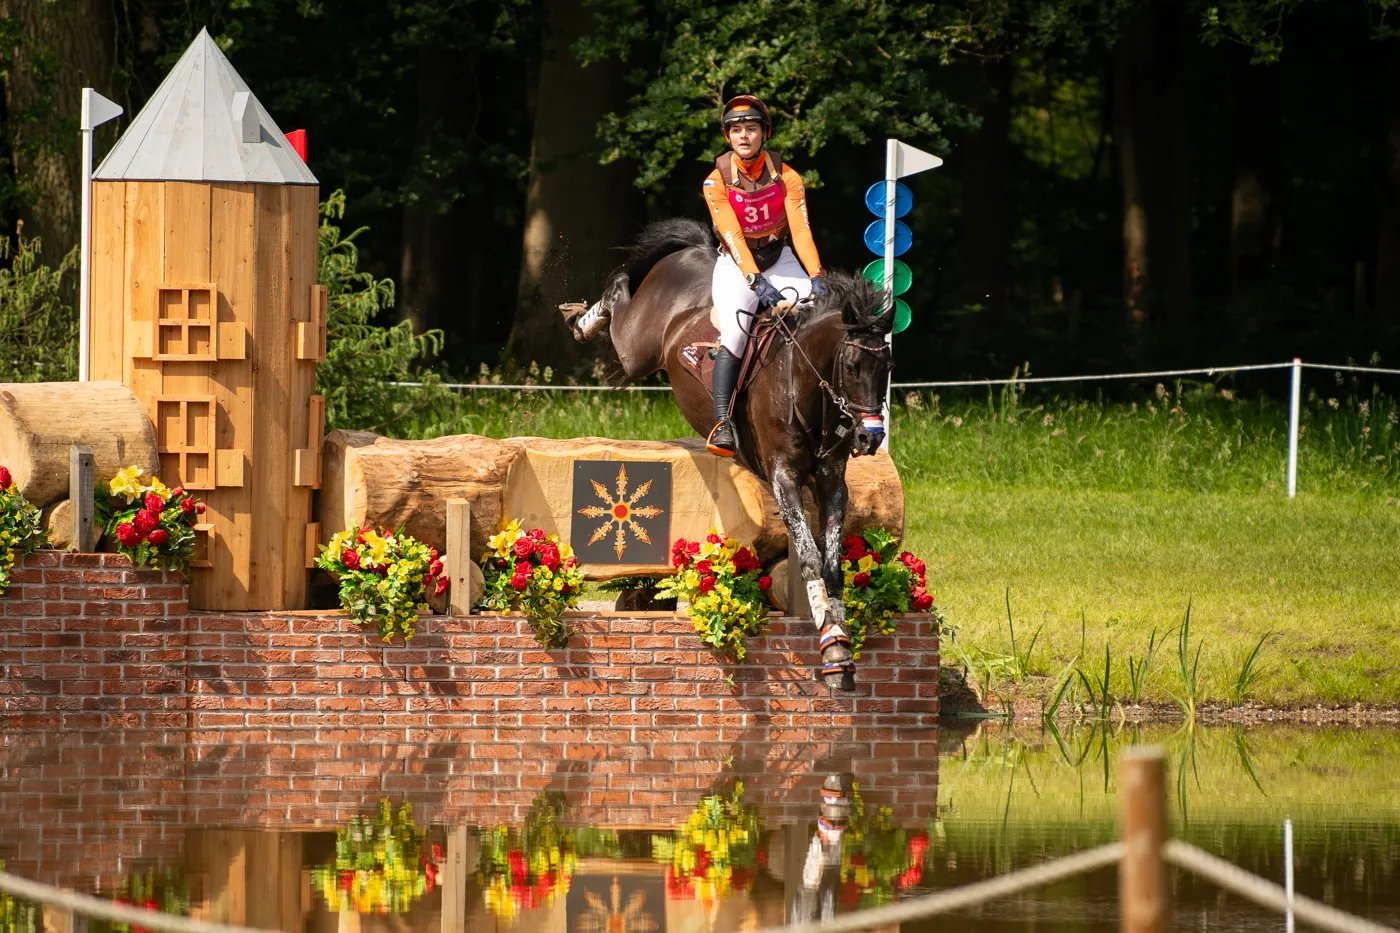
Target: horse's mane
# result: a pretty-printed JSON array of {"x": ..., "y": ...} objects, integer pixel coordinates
[
  {"x": 858, "y": 303},
  {"x": 659, "y": 240}
]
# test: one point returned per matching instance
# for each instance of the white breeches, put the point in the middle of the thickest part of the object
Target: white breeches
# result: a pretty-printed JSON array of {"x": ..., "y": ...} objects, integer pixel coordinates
[{"x": 735, "y": 302}]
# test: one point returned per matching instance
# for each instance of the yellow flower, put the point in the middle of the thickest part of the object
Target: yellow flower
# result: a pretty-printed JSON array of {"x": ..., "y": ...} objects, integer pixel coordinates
[
  {"x": 866, "y": 562},
  {"x": 159, "y": 488},
  {"x": 127, "y": 483},
  {"x": 377, "y": 548}
]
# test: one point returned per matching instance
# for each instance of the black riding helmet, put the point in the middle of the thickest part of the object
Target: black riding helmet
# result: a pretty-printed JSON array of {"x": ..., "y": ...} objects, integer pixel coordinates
[{"x": 746, "y": 108}]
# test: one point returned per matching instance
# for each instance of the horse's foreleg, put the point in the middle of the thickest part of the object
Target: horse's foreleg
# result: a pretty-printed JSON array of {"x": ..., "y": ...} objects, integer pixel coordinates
[
  {"x": 830, "y": 488},
  {"x": 837, "y": 669}
]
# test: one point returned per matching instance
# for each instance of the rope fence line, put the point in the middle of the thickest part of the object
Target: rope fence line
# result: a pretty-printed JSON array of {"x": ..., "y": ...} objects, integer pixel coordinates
[
  {"x": 936, "y": 384},
  {"x": 968, "y": 895},
  {"x": 1264, "y": 892},
  {"x": 96, "y": 908}
]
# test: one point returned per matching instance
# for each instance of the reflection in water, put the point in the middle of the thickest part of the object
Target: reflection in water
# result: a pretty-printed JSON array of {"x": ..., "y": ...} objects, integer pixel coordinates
[
  {"x": 381, "y": 865},
  {"x": 647, "y": 831}
]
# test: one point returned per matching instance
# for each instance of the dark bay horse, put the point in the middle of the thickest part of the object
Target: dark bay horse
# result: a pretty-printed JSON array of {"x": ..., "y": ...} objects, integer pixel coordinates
[{"x": 798, "y": 420}]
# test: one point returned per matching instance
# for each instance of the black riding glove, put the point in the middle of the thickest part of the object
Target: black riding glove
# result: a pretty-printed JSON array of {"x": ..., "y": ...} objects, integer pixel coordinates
[
  {"x": 818, "y": 286},
  {"x": 768, "y": 296}
]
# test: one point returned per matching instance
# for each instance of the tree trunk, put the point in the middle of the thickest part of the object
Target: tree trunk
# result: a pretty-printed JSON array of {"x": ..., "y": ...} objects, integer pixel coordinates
[
  {"x": 1154, "y": 163},
  {"x": 986, "y": 206},
  {"x": 381, "y": 482},
  {"x": 1387, "y": 298},
  {"x": 39, "y": 421},
  {"x": 1252, "y": 103},
  {"x": 67, "y": 45},
  {"x": 430, "y": 256},
  {"x": 576, "y": 211}
]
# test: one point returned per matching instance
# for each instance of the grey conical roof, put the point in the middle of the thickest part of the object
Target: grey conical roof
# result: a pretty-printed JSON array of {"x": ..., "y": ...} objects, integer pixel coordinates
[{"x": 203, "y": 124}]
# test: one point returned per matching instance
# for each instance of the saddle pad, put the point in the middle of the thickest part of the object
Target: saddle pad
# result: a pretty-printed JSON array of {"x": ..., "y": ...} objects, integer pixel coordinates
[{"x": 703, "y": 337}]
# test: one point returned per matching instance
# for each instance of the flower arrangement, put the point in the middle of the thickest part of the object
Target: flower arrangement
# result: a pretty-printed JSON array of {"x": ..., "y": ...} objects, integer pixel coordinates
[
  {"x": 20, "y": 529},
  {"x": 381, "y": 864},
  {"x": 878, "y": 861},
  {"x": 878, "y": 585},
  {"x": 152, "y": 524},
  {"x": 384, "y": 578},
  {"x": 529, "y": 867},
  {"x": 533, "y": 573},
  {"x": 717, "y": 851},
  {"x": 166, "y": 892},
  {"x": 720, "y": 579}
]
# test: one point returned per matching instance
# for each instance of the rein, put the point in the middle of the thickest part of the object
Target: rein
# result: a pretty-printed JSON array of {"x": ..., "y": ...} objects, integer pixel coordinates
[{"x": 836, "y": 394}]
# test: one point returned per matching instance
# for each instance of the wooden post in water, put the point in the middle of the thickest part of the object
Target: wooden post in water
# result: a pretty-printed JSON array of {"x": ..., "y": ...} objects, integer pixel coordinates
[
  {"x": 458, "y": 558},
  {"x": 1143, "y": 897}
]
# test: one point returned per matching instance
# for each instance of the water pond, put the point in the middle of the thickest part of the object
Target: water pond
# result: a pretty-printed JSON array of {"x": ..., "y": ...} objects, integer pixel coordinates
[{"x": 641, "y": 830}]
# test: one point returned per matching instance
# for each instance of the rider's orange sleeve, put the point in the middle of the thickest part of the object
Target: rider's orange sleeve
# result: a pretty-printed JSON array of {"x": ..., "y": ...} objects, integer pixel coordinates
[
  {"x": 727, "y": 222},
  {"x": 798, "y": 226}
]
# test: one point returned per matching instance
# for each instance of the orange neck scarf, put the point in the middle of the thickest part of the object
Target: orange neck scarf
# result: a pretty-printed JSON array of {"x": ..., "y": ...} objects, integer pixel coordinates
[{"x": 753, "y": 169}]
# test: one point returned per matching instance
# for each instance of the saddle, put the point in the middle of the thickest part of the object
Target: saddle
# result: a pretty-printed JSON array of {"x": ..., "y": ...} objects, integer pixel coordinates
[{"x": 702, "y": 339}]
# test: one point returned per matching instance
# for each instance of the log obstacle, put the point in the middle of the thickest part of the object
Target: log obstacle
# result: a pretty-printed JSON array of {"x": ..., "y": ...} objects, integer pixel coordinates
[
  {"x": 384, "y": 482},
  {"x": 40, "y": 421}
]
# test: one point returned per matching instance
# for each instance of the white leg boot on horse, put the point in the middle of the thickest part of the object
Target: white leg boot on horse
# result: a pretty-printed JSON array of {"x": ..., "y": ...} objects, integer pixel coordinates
[
  {"x": 829, "y": 616},
  {"x": 588, "y": 321}
]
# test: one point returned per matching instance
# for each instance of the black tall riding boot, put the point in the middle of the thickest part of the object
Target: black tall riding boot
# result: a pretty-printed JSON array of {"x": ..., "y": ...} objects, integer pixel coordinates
[{"x": 726, "y": 375}]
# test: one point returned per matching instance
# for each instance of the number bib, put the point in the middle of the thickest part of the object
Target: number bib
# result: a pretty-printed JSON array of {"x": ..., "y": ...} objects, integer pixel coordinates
[{"x": 760, "y": 212}]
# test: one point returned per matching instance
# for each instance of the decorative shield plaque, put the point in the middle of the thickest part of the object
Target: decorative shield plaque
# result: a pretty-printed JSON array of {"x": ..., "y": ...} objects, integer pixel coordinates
[{"x": 621, "y": 512}]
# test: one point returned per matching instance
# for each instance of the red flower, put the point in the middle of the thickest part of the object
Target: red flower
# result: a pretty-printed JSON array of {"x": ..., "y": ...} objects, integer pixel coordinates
[
  {"x": 703, "y": 567},
  {"x": 854, "y": 542},
  {"x": 921, "y": 600},
  {"x": 128, "y": 535},
  {"x": 350, "y": 558},
  {"x": 565, "y": 590},
  {"x": 679, "y": 555},
  {"x": 154, "y": 502},
  {"x": 549, "y": 555},
  {"x": 537, "y": 534},
  {"x": 177, "y": 492},
  {"x": 714, "y": 538},
  {"x": 571, "y": 561},
  {"x": 744, "y": 561},
  {"x": 360, "y": 535},
  {"x": 861, "y": 579},
  {"x": 157, "y": 537},
  {"x": 524, "y": 547},
  {"x": 187, "y": 506},
  {"x": 764, "y": 583},
  {"x": 441, "y": 586},
  {"x": 199, "y": 508},
  {"x": 5, "y": 478},
  {"x": 707, "y": 584},
  {"x": 432, "y": 553},
  {"x": 145, "y": 520},
  {"x": 435, "y": 568},
  {"x": 516, "y": 861}
]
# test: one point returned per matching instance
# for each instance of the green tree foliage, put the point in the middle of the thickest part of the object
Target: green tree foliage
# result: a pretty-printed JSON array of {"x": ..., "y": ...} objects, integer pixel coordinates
[
  {"x": 38, "y": 326},
  {"x": 363, "y": 355},
  {"x": 850, "y": 69}
]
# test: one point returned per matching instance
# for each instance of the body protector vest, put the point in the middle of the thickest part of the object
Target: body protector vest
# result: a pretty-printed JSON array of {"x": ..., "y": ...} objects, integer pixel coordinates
[{"x": 759, "y": 205}]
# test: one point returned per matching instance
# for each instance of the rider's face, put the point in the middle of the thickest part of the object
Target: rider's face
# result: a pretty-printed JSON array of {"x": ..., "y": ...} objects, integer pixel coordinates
[{"x": 746, "y": 138}]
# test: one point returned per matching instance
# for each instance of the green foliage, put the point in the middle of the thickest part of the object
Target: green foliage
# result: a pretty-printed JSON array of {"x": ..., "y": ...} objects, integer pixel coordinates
[
  {"x": 849, "y": 70},
  {"x": 362, "y": 355},
  {"x": 1140, "y": 670},
  {"x": 38, "y": 325},
  {"x": 18, "y": 916},
  {"x": 1248, "y": 672},
  {"x": 720, "y": 581},
  {"x": 877, "y": 585},
  {"x": 1188, "y": 670},
  {"x": 533, "y": 573},
  {"x": 384, "y": 578},
  {"x": 20, "y": 530}
]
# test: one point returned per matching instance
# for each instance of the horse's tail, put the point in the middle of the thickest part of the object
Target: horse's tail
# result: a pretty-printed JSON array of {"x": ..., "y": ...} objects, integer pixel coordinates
[{"x": 659, "y": 240}]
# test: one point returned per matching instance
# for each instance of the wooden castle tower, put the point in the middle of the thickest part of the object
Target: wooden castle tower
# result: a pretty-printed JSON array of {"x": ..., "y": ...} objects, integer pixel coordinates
[{"x": 205, "y": 303}]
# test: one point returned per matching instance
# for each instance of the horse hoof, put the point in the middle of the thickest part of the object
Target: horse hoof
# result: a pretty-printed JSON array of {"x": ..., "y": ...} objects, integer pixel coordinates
[{"x": 837, "y": 654}]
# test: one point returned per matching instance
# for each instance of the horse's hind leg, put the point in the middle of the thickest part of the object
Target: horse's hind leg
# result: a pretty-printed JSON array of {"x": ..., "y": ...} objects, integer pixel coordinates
[
  {"x": 587, "y": 323},
  {"x": 837, "y": 667}
]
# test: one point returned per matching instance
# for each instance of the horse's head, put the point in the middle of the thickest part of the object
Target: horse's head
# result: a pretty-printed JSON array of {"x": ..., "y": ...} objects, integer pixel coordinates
[{"x": 860, "y": 370}]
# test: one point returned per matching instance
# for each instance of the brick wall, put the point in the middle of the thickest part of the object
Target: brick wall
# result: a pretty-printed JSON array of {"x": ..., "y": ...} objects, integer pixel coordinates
[
  {"x": 87, "y": 641},
  {"x": 83, "y": 806}
]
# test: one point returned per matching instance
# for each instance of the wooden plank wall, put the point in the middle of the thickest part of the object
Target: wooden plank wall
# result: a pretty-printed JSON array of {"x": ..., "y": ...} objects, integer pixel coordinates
[
  {"x": 258, "y": 244},
  {"x": 232, "y": 268}
]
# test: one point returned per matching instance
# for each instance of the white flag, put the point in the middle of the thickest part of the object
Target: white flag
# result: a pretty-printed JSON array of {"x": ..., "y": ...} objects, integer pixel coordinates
[
  {"x": 97, "y": 109},
  {"x": 911, "y": 161}
]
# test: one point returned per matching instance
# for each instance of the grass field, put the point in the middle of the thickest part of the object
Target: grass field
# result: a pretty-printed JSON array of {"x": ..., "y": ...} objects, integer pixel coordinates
[{"x": 1112, "y": 516}]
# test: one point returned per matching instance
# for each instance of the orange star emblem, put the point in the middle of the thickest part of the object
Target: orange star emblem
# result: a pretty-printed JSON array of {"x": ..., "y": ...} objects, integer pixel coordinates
[{"x": 620, "y": 511}]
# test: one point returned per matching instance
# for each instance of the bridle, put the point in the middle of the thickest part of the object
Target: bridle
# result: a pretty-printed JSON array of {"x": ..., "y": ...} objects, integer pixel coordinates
[{"x": 838, "y": 394}]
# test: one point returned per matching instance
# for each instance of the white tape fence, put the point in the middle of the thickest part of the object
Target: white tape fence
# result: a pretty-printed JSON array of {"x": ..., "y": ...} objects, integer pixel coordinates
[{"x": 1296, "y": 368}]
